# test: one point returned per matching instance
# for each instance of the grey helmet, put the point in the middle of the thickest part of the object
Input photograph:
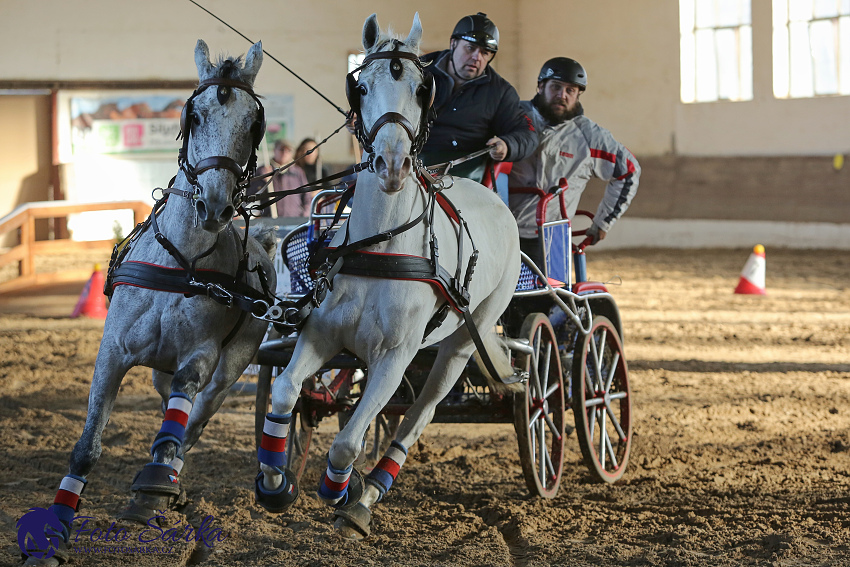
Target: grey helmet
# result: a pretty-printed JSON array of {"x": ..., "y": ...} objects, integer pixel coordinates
[
  {"x": 564, "y": 69},
  {"x": 479, "y": 30}
]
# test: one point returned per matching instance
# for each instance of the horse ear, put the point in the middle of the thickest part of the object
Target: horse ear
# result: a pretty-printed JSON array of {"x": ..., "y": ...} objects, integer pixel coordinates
[
  {"x": 253, "y": 61},
  {"x": 202, "y": 59},
  {"x": 371, "y": 31},
  {"x": 415, "y": 35}
]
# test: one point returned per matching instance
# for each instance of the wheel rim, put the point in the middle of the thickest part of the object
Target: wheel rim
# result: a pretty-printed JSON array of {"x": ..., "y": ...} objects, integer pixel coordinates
[
  {"x": 539, "y": 411},
  {"x": 602, "y": 401}
]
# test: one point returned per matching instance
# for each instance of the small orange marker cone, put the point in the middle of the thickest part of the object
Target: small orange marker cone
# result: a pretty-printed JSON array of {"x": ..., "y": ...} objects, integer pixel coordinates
[
  {"x": 92, "y": 303},
  {"x": 752, "y": 276}
]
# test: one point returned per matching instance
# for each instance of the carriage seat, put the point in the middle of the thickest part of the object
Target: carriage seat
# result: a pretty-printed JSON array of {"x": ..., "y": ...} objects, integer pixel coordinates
[{"x": 554, "y": 238}]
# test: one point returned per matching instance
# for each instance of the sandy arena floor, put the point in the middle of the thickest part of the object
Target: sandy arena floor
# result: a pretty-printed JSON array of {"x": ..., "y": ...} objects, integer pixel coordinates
[{"x": 741, "y": 453}]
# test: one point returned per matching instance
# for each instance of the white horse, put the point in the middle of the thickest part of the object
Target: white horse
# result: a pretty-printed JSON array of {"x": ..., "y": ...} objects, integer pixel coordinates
[
  {"x": 383, "y": 321},
  {"x": 197, "y": 346}
]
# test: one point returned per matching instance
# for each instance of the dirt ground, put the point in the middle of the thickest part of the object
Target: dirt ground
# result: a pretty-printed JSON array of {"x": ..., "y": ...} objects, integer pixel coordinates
[{"x": 741, "y": 451}]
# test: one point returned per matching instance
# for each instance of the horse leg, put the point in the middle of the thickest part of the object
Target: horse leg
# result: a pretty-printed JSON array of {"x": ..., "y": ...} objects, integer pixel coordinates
[
  {"x": 233, "y": 361},
  {"x": 162, "y": 384},
  {"x": 109, "y": 370},
  {"x": 276, "y": 487},
  {"x": 354, "y": 520},
  {"x": 156, "y": 486}
]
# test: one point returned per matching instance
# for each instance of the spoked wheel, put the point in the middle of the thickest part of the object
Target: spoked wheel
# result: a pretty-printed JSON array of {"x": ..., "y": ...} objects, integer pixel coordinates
[
  {"x": 602, "y": 401},
  {"x": 300, "y": 433},
  {"x": 539, "y": 410}
]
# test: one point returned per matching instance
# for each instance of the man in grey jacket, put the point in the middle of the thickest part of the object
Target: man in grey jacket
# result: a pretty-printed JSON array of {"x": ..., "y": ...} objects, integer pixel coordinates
[{"x": 572, "y": 147}]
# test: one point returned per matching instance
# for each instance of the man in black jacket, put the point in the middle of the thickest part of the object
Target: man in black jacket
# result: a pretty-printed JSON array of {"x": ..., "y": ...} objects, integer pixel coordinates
[{"x": 475, "y": 107}]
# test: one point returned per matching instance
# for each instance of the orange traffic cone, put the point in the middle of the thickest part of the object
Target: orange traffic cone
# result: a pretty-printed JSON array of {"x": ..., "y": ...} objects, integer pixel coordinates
[
  {"x": 92, "y": 303},
  {"x": 752, "y": 276}
]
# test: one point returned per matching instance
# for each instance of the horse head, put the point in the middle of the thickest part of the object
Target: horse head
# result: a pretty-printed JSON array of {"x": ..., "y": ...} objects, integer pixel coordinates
[
  {"x": 222, "y": 125},
  {"x": 392, "y": 98}
]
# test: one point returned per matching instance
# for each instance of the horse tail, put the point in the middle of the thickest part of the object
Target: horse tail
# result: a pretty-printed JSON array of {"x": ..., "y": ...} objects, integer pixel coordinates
[
  {"x": 499, "y": 354},
  {"x": 267, "y": 238}
]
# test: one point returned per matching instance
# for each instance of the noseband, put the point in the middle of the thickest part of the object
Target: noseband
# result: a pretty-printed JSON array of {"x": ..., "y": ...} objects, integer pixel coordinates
[
  {"x": 258, "y": 128},
  {"x": 425, "y": 93}
]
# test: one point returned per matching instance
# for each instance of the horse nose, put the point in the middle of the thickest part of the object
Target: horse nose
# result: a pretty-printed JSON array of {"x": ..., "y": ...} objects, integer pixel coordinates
[
  {"x": 212, "y": 215},
  {"x": 394, "y": 166}
]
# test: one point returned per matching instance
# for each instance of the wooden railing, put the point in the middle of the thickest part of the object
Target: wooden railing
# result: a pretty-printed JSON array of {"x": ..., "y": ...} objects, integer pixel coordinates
[{"x": 23, "y": 219}]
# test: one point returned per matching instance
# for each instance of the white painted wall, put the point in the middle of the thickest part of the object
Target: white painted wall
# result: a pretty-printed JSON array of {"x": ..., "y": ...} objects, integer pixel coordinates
[
  {"x": 127, "y": 40},
  {"x": 630, "y": 49},
  {"x": 631, "y": 52}
]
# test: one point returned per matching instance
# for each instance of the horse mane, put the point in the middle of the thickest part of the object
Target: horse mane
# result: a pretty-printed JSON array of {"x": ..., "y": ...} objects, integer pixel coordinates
[
  {"x": 228, "y": 68},
  {"x": 385, "y": 37}
]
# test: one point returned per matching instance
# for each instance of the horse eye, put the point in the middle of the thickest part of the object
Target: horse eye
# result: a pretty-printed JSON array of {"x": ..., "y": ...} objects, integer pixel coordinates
[
  {"x": 363, "y": 90},
  {"x": 196, "y": 119}
]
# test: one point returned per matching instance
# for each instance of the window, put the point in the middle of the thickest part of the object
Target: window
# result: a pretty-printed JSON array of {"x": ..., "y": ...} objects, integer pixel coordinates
[
  {"x": 355, "y": 60},
  {"x": 716, "y": 39},
  {"x": 811, "y": 48}
]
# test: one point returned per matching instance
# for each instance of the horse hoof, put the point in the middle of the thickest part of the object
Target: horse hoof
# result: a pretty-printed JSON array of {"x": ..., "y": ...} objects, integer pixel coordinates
[
  {"x": 280, "y": 500},
  {"x": 156, "y": 489},
  {"x": 157, "y": 478},
  {"x": 353, "y": 522},
  {"x": 353, "y": 492},
  {"x": 60, "y": 556},
  {"x": 51, "y": 562}
]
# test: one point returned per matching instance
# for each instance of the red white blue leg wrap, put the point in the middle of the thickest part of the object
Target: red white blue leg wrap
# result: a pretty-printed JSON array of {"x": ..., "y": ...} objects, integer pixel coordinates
[
  {"x": 334, "y": 484},
  {"x": 385, "y": 472},
  {"x": 175, "y": 420},
  {"x": 67, "y": 500},
  {"x": 272, "y": 451}
]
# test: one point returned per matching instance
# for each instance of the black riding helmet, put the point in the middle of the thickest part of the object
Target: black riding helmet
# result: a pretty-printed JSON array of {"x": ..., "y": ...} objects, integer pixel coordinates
[
  {"x": 564, "y": 69},
  {"x": 478, "y": 30}
]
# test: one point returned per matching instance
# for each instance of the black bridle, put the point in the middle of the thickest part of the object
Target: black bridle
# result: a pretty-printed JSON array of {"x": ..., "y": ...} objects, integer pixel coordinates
[
  {"x": 258, "y": 128},
  {"x": 354, "y": 90}
]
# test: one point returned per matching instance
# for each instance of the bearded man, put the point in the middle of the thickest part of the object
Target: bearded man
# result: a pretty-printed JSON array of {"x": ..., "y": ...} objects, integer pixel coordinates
[{"x": 572, "y": 147}]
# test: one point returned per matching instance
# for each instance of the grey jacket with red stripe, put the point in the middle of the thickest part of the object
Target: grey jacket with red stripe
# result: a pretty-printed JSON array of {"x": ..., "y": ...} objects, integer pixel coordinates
[{"x": 577, "y": 150}]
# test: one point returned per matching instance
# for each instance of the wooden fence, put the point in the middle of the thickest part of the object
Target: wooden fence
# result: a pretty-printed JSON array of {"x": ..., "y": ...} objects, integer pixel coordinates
[{"x": 23, "y": 220}]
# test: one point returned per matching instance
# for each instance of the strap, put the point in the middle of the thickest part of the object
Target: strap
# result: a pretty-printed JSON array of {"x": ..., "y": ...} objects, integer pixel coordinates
[
  {"x": 269, "y": 198},
  {"x": 479, "y": 345}
]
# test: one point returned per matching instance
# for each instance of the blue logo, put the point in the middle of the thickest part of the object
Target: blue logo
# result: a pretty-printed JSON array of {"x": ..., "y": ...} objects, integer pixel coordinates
[{"x": 38, "y": 533}]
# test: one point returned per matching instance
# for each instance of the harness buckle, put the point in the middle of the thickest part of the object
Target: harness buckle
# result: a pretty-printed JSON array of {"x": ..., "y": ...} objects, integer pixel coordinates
[
  {"x": 272, "y": 313},
  {"x": 289, "y": 316},
  {"x": 320, "y": 292},
  {"x": 220, "y": 294}
]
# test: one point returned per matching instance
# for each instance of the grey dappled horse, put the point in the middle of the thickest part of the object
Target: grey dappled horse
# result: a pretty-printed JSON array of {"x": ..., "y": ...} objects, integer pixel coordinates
[
  {"x": 197, "y": 347},
  {"x": 382, "y": 321}
]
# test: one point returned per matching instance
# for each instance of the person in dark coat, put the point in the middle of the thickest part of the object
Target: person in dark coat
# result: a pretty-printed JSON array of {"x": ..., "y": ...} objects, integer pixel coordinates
[{"x": 475, "y": 107}]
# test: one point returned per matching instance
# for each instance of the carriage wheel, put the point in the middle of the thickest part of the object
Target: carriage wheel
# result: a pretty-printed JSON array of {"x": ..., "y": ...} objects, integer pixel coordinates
[
  {"x": 300, "y": 433},
  {"x": 539, "y": 410},
  {"x": 602, "y": 401}
]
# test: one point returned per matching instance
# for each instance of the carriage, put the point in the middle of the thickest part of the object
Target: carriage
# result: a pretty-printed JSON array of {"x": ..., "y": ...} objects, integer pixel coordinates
[
  {"x": 565, "y": 339},
  {"x": 186, "y": 278}
]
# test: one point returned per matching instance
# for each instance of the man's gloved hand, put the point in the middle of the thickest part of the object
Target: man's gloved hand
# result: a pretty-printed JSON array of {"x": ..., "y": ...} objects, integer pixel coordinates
[
  {"x": 595, "y": 233},
  {"x": 498, "y": 148}
]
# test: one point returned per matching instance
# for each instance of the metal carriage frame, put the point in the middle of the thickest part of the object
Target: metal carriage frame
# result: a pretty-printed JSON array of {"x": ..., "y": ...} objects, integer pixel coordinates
[{"x": 565, "y": 339}]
